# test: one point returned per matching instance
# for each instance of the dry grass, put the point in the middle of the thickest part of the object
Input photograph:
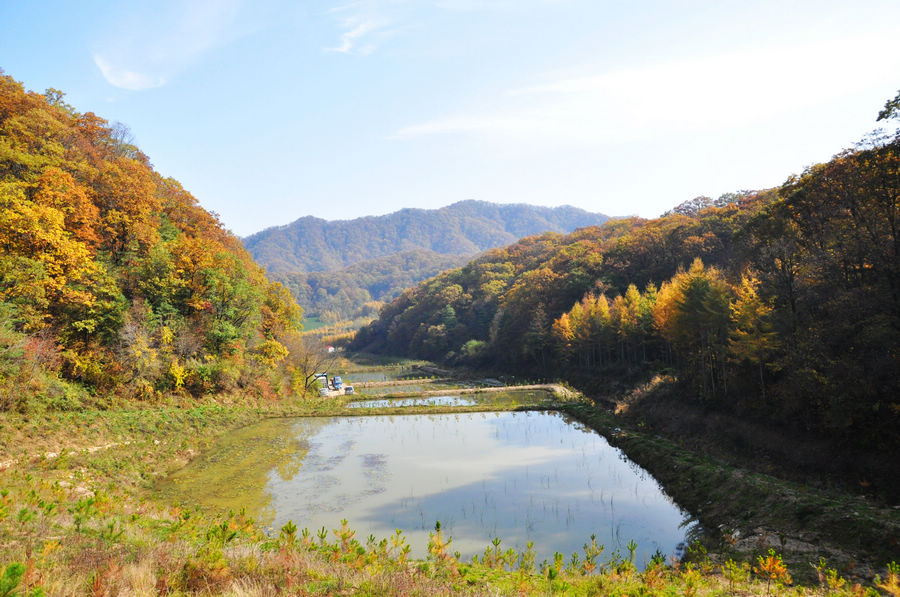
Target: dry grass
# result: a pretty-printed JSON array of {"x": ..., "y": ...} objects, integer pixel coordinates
[{"x": 139, "y": 579}]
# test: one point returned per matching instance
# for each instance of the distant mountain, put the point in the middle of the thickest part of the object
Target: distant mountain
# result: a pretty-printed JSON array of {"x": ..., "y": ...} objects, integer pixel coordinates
[{"x": 464, "y": 228}]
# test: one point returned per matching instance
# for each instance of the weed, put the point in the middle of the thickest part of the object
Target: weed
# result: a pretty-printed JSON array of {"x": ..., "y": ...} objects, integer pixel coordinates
[
  {"x": 574, "y": 564},
  {"x": 526, "y": 562},
  {"x": 891, "y": 583},
  {"x": 306, "y": 539},
  {"x": 736, "y": 574},
  {"x": 690, "y": 576},
  {"x": 112, "y": 532},
  {"x": 82, "y": 511},
  {"x": 399, "y": 549},
  {"x": 345, "y": 534},
  {"x": 654, "y": 575},
  {"x": 219, "y": 535},
  {"x": 493, "y": 557},
  {"x": 24, "y": 516},
  {"x": 699, "y": 554},
  {"x": 772, "y": 568},
  {"x": 437, "y": 548},
  {"x": 591, "y": 552},
  {"x": 558, "y": 559},
  {"x": 657, "y": 559},
  {"x": 632, "y": 546},
  {"x": 10, "y": 579}
]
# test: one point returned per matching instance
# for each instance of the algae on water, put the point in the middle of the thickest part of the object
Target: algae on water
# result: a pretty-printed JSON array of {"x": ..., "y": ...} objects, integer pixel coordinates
[{"x": 235, "y": 472}]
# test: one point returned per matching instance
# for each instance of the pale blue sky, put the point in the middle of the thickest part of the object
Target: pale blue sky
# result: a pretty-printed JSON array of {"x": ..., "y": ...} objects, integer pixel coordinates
[{"x": 270, "y": 110}]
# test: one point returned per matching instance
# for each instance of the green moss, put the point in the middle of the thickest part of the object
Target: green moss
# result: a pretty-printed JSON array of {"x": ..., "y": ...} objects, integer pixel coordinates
[{"x": 233, "y": 475}]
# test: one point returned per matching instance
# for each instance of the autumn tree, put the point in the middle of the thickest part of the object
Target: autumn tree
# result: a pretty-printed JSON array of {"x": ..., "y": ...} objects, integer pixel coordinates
[
  {"x": 137, "y": 288},
  {"x": 693, "y": 313},
  {"x": 307, "y": 356},
  {"x": 752, "y": 339}
]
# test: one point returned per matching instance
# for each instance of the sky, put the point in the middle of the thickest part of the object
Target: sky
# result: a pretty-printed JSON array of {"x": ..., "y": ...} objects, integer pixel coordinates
[{"x": 271, "y": 110}]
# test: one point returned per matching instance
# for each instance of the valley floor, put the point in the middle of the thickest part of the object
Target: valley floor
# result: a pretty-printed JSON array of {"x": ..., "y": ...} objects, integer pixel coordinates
[{"x": 78, "y": 515}]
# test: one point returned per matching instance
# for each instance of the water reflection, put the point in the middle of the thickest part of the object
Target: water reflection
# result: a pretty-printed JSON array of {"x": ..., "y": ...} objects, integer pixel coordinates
[
  {"x": 520, "y": 476},
  {"x": 234, "y": 475}
]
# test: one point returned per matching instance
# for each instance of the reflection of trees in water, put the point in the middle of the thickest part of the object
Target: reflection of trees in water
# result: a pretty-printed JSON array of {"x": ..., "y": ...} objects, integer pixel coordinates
[
  {"x": 288, "y": 467},
  {"x": 233, "y": 474}
]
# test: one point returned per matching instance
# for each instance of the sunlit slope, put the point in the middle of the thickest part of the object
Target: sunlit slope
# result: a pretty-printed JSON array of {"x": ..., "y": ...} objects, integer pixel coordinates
[
  {"x": 113, "y": 276},
  {"x": 781, "y": 305}
]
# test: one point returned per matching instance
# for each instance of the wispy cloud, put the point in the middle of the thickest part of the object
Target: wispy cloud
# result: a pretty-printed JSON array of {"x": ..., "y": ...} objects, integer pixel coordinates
[
  {"x": 126, "y": 79},
  {"x": 491, "y": 5},
  {"x": 146, "y": 48},
  {"x": 354, "y": 39},
  {"x": 365, "y": 24},
  {"x": 734, "y": 90}
]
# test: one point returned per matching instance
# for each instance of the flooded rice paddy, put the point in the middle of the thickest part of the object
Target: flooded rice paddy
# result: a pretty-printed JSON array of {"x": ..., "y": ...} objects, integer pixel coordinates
[
  {"x": 427, "y": 401},
  {"x": 520, "y": 476},
  {"x": 405, "y": 388},
  {"x": 505, "y": 398},
  {"x": 382, "y": 375}
]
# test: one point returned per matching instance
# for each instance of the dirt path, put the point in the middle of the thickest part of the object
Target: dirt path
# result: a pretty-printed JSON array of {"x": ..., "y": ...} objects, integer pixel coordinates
[{"x": 5, "y": 464}]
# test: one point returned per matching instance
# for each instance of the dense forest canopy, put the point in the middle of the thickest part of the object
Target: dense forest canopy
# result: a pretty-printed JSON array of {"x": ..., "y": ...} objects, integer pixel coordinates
[
  {"x": 112, "y": 276},
  {"x": 781, "y": 304},
  {"x": 360, "y": 290}
]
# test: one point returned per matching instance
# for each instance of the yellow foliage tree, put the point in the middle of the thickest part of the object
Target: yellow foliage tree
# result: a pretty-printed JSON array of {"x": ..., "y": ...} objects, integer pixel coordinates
[
  {"x": 692, "y": 313},
  {"x": 751, "y": 338}
]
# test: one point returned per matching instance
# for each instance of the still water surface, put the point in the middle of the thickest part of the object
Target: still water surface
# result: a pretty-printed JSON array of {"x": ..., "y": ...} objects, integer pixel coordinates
[
  {"x": 520, "y": 476},
  {"x": 406, "y": 388},
  {"x": 428, "y": 401}
]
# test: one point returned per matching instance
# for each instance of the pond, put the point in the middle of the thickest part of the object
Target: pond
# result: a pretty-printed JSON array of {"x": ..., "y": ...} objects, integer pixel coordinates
[{"x": 520, "y": 476}]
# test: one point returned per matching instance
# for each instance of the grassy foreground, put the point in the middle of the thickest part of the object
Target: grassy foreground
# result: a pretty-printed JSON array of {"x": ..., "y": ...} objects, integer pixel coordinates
[{"x": 77, "y": 516}]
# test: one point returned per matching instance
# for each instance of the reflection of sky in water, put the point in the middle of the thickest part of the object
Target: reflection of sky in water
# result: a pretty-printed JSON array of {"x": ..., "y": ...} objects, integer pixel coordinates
[
  {"x": 430, "y": 401},
  {"x": 520, "y": 476}
]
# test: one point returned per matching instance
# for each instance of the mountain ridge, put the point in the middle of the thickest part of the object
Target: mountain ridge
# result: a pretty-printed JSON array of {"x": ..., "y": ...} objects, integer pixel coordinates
[{"x": 312, "y": 244}]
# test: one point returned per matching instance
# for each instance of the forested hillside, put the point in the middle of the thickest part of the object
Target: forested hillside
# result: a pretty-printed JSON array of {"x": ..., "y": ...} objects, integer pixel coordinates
[
  {"x": 464, "y": 228},
  {"x": 781, "y": 305},
  {"x": 360, "y": 290},
  {"x": 113, "y": 279},
  {"x": 342, "y": 271}
]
